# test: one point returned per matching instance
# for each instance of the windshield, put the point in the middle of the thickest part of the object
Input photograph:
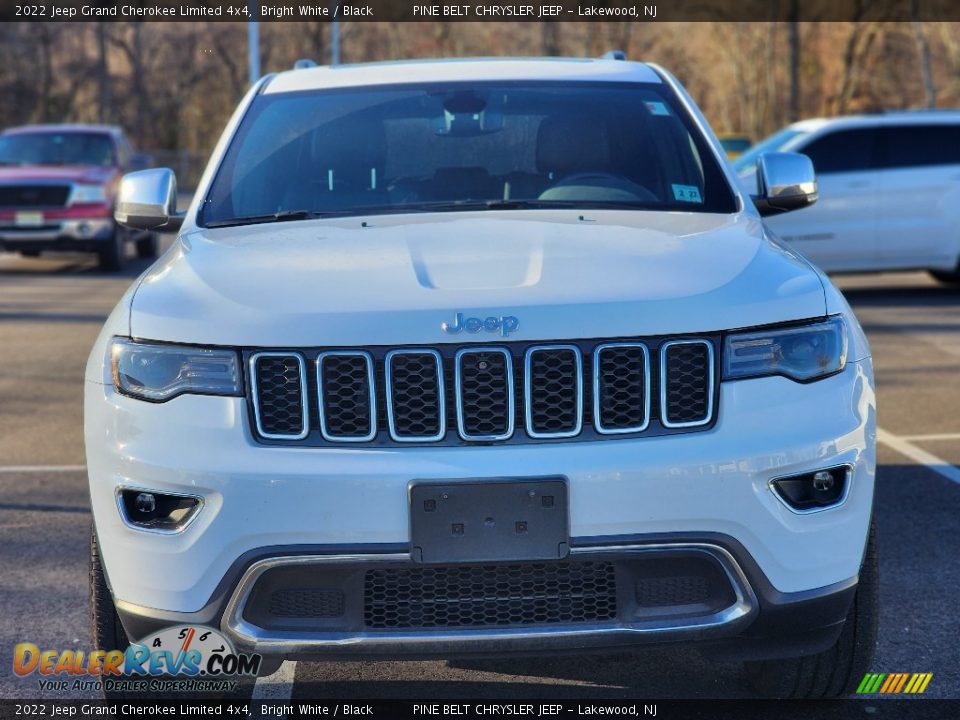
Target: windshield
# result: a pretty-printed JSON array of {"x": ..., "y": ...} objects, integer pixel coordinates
[
  {"x": 465, "y": 146},
  {"x": 747, "y": 162},
  {"x": 54, "y": 148}
]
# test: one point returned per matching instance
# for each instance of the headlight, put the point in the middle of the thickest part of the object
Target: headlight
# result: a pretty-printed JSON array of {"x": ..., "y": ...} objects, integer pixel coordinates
[
  {"x": 805, "y": 352},
  {"x": 89, "y": 194},
  {"x": 160, "y": 372}
]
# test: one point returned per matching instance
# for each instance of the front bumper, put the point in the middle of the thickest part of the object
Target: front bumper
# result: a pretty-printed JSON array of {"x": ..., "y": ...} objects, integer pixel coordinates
[
  {"x": 746, "y": 618},
  {"x": 81, "y": 234},
  {"x": 703, "y": 488}
]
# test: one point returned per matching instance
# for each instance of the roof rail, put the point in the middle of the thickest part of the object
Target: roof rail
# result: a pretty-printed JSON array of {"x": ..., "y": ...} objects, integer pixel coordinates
[
  {"x": 304, "y": 63},
  {"x": 614, "y": 55}
]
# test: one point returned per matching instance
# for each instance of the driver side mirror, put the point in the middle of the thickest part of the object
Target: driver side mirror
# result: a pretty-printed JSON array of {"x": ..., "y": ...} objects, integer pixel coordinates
[
  {"x": 148, "y": 201},
  {"x": 785, "y": 182}
]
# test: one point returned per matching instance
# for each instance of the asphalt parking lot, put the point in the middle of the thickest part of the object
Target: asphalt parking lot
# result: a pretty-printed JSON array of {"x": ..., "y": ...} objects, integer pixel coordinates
[{"x": 52, "y": 308}]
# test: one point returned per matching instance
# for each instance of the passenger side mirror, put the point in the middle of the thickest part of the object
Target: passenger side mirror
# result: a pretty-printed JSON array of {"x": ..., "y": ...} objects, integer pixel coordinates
[
  {"x": 148, "y": 201},
  {"x": 785, "y": 182}
]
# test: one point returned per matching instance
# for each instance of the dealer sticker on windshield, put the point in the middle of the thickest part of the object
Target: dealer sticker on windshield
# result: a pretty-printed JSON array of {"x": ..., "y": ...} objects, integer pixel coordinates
[
  {"x": 657, "y": 108},
  {"x": 687, "y": 193}
]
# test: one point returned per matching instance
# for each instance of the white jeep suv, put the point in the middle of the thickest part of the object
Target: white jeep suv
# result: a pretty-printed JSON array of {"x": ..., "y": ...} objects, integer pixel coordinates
[
  {"x": 484, "y": 357},
  {"x": 889, "y": 191}
]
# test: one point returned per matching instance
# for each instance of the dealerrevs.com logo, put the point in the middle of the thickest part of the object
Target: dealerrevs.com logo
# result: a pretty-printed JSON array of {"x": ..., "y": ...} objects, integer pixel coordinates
[{"x": 189, "y": 658}]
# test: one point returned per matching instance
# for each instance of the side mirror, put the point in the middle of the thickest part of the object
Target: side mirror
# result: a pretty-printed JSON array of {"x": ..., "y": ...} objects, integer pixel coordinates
[
  {"x": 785, "y": 182},
  {"x": 140, "y": 161},
  {"x": 148, "y": 201}
]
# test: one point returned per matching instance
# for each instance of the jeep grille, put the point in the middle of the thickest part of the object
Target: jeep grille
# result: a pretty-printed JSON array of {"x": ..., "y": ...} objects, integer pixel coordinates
[{"x": 509, "y": 393}]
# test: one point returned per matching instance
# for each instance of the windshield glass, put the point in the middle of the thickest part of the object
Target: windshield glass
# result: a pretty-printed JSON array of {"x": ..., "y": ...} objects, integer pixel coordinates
[
  {"x": 53, "y": 148},
  {"x": 747, "y": 162},
  {"x": 463, "y": 146}
]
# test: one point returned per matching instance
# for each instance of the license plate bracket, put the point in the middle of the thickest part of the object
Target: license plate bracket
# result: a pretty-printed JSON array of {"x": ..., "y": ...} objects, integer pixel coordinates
[{"x": 489, "y": 520}]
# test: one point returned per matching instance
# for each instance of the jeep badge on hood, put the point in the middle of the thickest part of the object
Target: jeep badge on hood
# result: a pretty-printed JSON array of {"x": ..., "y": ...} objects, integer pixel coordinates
[{"x": 505, "y": 324}]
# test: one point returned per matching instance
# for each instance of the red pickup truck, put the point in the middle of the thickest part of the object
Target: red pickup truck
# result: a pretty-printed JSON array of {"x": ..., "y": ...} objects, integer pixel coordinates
[{"x": 58, "y": 184}]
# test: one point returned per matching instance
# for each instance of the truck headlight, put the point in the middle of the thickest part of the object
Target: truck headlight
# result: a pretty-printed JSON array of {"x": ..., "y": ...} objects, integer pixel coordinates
[
  {"x": 803, "y": 352},
  {"x": 155, "y": 372},
  {"x": 89, "y": 194}
]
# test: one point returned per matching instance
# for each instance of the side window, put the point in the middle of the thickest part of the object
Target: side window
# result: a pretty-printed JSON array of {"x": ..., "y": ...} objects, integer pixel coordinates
[
  {"x": 843, "y": 151},
  {"x": 918, "y": 145}
]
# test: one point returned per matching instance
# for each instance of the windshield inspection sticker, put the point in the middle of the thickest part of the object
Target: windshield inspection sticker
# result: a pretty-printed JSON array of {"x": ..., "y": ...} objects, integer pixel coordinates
[
  {"x": 657, "y": 108},
  {"x": 687, "y": 193}
]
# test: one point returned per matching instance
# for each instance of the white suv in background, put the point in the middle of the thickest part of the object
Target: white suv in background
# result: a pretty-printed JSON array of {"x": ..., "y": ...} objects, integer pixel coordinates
[
  {"x": 484, "y": 357},
  {"x": 889, "y": 191}
]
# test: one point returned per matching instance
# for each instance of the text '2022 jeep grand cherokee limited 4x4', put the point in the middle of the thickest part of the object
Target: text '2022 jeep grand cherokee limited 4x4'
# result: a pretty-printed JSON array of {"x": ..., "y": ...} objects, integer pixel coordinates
[{"x": 484, "y": 357}]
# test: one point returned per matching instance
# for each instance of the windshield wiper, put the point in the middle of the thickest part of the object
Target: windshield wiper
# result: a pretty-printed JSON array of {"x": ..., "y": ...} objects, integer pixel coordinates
[{"x": 282, "y": 216}]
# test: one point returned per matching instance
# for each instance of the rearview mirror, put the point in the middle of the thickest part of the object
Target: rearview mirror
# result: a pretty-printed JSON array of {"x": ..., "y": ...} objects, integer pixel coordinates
[
  {"x": 148, "y": 201},
  {"x": 785, "y": 182}
]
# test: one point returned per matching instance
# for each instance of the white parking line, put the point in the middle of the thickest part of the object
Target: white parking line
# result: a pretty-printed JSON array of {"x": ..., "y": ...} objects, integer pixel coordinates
[
  {"x": 919, "y": 455},
  {"x": 928, "y": 438},
  {"x": 10, "y": 469},
  {"x": 277, "y": 687}
]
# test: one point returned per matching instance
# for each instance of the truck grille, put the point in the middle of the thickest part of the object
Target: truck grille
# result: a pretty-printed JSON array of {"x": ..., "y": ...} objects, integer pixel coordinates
[
  {"x": 484, "y": 595},
  {"x": 476, "y": 394},
  {"x": 33, "y": 196}
]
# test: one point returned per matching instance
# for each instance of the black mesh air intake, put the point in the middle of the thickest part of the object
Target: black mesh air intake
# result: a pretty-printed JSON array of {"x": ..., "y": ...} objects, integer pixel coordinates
[
  {"x": 554, "y": 399},
  {"x": 688, "y": 372},
  {"x": 278, "y": 386},
  {"x": 486, "y": 394},
  {"x": 346, "y": 396},
  {"x": 622, "y": 387},
  {"x": 415, "y": 395},
  {"x": 485, "y": 595}
]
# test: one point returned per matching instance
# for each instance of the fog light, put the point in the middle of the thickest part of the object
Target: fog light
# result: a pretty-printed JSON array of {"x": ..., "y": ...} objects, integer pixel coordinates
[
  {"x": 84, "y": 229},
  {"x": 145, "y": 503},
  {"x": 814, "y": 491},
  {"x": 159, "y": 512},
  {"x": 823, "y": 481}
]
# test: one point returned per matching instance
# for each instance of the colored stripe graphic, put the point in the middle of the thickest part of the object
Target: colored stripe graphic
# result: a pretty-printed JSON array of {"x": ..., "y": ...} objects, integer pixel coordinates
[{"x": 894, "y": 683}]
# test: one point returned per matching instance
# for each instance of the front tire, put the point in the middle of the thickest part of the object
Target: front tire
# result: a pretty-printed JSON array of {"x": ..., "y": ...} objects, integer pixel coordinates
[
  {"x": 836, "y": 671},
  {"x": 106, "y": 630}
]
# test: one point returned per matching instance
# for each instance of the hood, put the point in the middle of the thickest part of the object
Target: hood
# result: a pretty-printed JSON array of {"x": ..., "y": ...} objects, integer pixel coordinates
[
  {"x": 395, "y": 281},
  {"x": 46, "y": 173}
]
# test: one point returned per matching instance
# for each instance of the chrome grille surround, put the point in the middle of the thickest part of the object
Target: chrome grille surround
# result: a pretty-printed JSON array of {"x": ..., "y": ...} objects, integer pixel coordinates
[
  {"x": 304, "y": 404},
  {"x": 441, "y": 400},
  {"x": 528, "y": 391},
  {"x": 664, "y": 384},
  {"x": 510, "y": 400},
  {"x": 597, "y": 404},
  {"x": 371, "y": 396}
]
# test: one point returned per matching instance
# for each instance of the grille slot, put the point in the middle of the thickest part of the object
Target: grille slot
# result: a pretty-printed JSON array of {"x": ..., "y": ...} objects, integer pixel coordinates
[
  {"x": 485, "y": 402},
  {"x": 484, "y": 595},
  {"x": 686, "y": 387},
  {"x": 415, "y": 397},
  {"x": 621, "y": 388},
  {"x": 279, "y": 388},
  {"x": 34, "y": 196},
  {"x": 348, "y": 407},
  {"x": 553, "y": 391},
  {"x": 307, "y": 603},
  {"x": 672, "y": 590}
]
